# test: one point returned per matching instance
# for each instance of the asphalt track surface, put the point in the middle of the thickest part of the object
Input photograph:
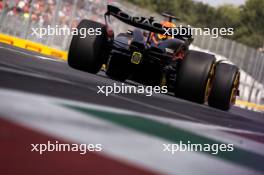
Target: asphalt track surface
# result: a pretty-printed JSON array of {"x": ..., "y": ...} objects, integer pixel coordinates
[{"x": 27, "y": 71}]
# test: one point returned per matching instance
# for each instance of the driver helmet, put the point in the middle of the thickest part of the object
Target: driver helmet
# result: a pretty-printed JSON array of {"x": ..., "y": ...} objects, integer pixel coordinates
[{"x": 158, "y": 37}]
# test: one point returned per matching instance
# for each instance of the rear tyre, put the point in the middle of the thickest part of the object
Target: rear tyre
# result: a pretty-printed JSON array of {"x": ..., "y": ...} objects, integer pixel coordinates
[
  {"x": 195, "y": 76},
  {"x": 225, "y": 86},
  {"x": 90, "y": 52}
]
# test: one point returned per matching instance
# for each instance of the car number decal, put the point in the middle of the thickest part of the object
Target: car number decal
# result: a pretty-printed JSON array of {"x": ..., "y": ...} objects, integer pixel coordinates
[{"x": 136, "y": 58}]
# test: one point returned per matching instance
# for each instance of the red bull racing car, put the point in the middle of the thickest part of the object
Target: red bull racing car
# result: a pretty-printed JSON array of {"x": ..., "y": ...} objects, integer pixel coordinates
[{"x": 151, "y": 56}]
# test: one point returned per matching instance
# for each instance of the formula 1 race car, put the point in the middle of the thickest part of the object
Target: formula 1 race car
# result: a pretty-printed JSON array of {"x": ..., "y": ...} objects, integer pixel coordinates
[{"x": 149, "y": 56}]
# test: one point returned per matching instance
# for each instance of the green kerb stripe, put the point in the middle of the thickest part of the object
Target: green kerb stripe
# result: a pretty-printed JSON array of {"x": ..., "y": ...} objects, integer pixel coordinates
[{"x": 173, "y": 134}]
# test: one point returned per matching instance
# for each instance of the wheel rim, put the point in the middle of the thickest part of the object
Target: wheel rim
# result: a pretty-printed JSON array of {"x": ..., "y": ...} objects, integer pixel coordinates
[
  {"x": 234, "y": 89},
  {"x": 209, "y": 83},
  {"x": 163, "y": 81}
]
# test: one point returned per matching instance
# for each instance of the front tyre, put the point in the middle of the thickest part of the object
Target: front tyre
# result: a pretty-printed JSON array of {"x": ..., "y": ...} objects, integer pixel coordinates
[
  {"x": 88, "y": 53},
  {"x": 225, "y": 86}
]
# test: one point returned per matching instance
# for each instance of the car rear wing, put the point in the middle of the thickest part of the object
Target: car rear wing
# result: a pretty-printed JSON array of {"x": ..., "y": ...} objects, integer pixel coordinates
[
  {"x": 148, "y": 24},
  {"x": 140, "y": 22}
]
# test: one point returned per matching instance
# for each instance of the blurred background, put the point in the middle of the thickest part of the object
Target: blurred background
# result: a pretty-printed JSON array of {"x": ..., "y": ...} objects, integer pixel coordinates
[
  {"x": 18, "y": 17},
  {"x": 244, "y": 48}
]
